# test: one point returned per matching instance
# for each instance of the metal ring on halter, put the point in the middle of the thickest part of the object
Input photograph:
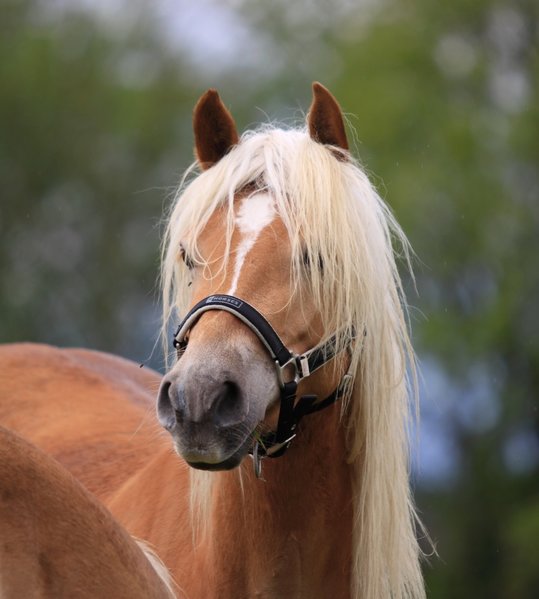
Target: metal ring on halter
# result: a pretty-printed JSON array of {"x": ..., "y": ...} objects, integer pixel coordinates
[{"x": 281, "y": 371}]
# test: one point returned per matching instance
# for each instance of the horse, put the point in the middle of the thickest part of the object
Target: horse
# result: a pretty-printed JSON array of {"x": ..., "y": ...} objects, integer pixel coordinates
[
  {"x": 294, "y": 387},
  {"x": 59, "y": 541}
]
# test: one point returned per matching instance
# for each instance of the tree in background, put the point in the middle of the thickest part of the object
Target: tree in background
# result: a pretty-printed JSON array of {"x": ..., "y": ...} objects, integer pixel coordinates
[{"x": 92, "y": 128}]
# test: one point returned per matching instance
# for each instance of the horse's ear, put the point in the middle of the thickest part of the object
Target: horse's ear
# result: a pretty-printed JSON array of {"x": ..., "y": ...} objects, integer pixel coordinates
[
  {"x": 325, "y": 120},
  {"x": 215, "y": 129}
]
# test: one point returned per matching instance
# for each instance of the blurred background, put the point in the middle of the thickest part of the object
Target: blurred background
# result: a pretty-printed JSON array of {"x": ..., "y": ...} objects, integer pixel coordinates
[{"x": 95, "y": 131}]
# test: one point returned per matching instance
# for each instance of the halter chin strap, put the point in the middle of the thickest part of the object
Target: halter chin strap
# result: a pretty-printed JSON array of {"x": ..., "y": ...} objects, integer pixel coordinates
[{"x": 291, "y": 369}]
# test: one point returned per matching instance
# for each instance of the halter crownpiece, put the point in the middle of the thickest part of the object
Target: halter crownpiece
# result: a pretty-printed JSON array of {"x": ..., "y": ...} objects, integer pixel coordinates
[{"x": 287, "y": 363}]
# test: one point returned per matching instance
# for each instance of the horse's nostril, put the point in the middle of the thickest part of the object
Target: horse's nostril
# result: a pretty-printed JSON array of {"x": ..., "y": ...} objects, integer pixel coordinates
[
  {"x": 166, "y": 413},
  {"x": 218, "y": 403},
  {"x": 228, "y": 404}
]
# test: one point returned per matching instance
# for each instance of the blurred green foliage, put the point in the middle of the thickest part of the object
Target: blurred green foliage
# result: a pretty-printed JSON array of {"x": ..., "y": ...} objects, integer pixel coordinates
[
  {"x": 95, "y": 131},
  {"x": 91, "y": 143}
]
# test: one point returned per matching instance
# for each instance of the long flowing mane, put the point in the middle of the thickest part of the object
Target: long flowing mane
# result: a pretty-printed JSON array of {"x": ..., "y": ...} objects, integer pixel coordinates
[{"x": 331, "y": 211}]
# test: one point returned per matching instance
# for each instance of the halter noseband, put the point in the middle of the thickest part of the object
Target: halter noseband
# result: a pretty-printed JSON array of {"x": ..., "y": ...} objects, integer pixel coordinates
[{"x": 274, "y": 443}]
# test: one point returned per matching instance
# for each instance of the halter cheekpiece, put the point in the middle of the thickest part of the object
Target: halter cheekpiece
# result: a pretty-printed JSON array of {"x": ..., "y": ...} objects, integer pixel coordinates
[{"x": 291, "y": 369}]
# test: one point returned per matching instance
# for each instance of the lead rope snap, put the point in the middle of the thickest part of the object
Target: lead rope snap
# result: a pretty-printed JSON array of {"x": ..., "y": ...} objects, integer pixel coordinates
[{"x": 257, "y": 460}]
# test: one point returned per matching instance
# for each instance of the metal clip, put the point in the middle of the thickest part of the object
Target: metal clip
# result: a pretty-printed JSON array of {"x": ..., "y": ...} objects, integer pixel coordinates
[{"x": 257, "y": 460}]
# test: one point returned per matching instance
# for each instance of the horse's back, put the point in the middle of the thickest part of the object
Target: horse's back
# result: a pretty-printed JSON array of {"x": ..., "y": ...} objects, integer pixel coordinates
[
  {"x": 57, "y": 539},
  {"x": 91, "y": 411}
]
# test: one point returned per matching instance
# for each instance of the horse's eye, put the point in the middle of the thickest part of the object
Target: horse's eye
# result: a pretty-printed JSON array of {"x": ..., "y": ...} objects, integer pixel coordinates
[{"x": 188, "y": 261}]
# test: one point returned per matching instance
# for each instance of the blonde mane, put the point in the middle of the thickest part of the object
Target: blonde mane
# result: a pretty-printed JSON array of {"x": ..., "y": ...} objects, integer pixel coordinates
[{"x": 331, "y": 210}]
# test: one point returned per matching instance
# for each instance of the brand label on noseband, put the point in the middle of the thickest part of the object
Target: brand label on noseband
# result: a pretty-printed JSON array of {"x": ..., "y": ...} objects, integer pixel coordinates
[{"x": 224, "y": 299}]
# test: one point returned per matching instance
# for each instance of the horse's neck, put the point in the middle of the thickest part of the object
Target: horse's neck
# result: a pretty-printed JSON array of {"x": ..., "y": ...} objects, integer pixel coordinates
[{"x": 287, "y": 535}]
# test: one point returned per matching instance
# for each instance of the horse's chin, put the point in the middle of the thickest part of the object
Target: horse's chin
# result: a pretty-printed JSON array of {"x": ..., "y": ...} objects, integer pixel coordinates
[
  {"x": 202, "y": 461},
  {"x": 228, "y": 464}
]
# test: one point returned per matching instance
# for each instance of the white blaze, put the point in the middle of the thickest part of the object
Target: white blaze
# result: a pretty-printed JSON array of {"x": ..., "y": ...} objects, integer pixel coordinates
[{"x": 254, "y": 215}]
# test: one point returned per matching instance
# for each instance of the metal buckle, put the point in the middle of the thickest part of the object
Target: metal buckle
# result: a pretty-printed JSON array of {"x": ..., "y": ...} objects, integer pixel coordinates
[{"x": 304, "y": 364}]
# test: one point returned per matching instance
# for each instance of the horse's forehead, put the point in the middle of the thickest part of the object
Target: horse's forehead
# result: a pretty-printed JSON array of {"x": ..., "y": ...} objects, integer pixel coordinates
[{"x": 253, "y": 214}]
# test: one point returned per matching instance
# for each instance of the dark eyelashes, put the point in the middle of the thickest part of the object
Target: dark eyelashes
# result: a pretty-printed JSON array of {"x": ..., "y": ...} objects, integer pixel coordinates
[{"x": 187, "y": 260}]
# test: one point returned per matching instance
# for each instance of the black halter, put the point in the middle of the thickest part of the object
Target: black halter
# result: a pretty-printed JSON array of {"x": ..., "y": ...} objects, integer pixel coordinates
[{"x": 288, "y": 364}]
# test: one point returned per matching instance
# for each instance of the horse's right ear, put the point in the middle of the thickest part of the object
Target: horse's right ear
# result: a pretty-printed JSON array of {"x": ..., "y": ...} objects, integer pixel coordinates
[{"x": 215, "y": 129}]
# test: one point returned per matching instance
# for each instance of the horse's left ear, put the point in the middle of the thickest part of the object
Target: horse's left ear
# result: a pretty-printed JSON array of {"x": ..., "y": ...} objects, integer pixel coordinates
[
  {"x": 214, "y": 128},
  {"x": 325, "y": 120}
]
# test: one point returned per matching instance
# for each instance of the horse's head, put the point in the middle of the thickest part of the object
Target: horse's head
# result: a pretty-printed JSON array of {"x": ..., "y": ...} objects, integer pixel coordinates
[{"x": 225, "y": 388}]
